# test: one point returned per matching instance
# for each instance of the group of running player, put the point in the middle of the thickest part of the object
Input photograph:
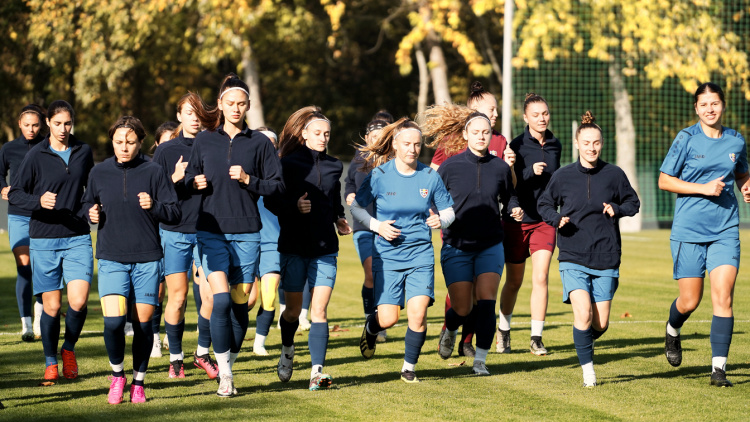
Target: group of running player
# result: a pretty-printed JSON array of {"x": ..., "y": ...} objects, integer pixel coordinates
[{"x": 231, "y": 206}]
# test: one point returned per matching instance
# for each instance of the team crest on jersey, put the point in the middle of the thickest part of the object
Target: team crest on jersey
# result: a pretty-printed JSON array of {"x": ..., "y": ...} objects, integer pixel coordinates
[
  {"x": 493, "y": 152},
  {"x": 423, "y": 192},
  {"x": 732, "y": 157}
]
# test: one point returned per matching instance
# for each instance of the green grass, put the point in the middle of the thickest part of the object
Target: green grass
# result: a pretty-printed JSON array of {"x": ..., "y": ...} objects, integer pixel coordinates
[{"x": 636, "y": 383}]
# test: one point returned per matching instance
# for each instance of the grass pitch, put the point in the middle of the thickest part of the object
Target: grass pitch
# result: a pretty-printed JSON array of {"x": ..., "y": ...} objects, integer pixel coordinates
[{"x": 636, "y": 382}]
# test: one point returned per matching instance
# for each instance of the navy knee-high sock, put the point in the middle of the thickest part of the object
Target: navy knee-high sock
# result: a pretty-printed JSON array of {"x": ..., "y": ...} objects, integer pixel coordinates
[
  {"x": 264, "y": 320},
  {"x": 287, "y": 331},
  {"x": 204, "y": 332},
  {"x": 676, "y": 319},
  {"x": 114, "y": 339},
  {"x": 721, "y": 335},
  {"x": 368, "y": 300},
  {"x": 174, "y": 336},
  {"x": 156, "y": 319},
  {"x": 306, "y": 297},
  {"x": 485, "y": 323},
  {"x": 317, "y": 342},
  {"x": 413, "y": 342},
  {"x": 221, "y": 323},
  {"x": 469, "y": 326},
  {"x": 197, "y": 297},
  {"x": 240, "y": 321},
  {"x": 74, "y": 321},
  {"x": 50, "y": 327},
  {"x": 453, "y": 320},
  {"x": 584, "y": 343},
  {"x": 372, "y": 324},
  {"x": 23, "y": 290},
  {"x": 596, "y": 333},
  {"x": 143, "y": 342}
]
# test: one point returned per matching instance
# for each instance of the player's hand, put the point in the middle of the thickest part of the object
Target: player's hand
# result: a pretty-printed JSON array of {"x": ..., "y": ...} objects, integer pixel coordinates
[
  {"x": 145, "y": 200},
  {"x": 539, "y": 168},
  {"x": 714, "y": 187},
  {"x": 608, "y": 209},
  {"x": 509, "y": 156},
  {"x": 179, "y": 171},
  {"x": 563, "y": 221},
  {"x": 200, "y": 182},
  {"x": 48, "y": 200},
  {"x": 350, "y": 198},
  {"x": 387, "y": 231},
  {"x": 433, "y": 221},
  {"x": 94, "y": 213},
  {"x": 343, "y": 227},
  {"x": 4, "y": 192},
  {"x": 517, "y": 214},
  {"x": 238, "y": 173},
  {"x": 746, "y": 193},
  {"x": 304, "y": 205}
]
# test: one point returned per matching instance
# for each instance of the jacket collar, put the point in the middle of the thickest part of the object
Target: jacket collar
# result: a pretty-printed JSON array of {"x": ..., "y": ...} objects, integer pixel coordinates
[
  {"x": 473, "y": 158},
  {"x": 582, "y": 169}
]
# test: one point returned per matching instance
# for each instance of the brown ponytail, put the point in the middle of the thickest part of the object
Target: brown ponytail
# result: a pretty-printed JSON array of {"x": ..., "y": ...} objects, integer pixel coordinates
[{"x": 381, "y": 152}]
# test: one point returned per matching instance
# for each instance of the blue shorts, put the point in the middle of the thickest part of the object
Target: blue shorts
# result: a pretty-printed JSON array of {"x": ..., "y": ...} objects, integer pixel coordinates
[
  {"x": 317, "y": 271},
  {"x": 141, "y": 279},
  {"x": 363, "y": 243},
  {"x": 465, "y": 266},
  {"x": 396, "y": 287},
  {"x": 57, "y": 262},
  {"x": 18, "y": 230},
  {"x": 180, "y": 250},
  {"x": 236, "y": 255},
  {"x": 693, "y": 259},
  {"x": 270, "y": 262},
  {"x": 600, "y": 288}
]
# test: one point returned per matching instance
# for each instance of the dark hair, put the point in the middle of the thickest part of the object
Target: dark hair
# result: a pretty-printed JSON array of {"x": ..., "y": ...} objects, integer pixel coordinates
[
  {"x": 32, "y": 108},
  {"x": 476, "y": 93},
  {"x": 381, "y": 152},
  {"x": 291, "y": 135},
  {"x": 383, "y": 114},
  {"x": 532, "y": 98},
  {"x": 587, "y": 122},
  {"x": 169, "y": 126},
  {"x": 376, "y": 124},
  {"x": 129, "y": 122},
  {"x": 211, "y": 117},
  {"x": 709, "y": 87},
  {"x": 59, "y": 106}
]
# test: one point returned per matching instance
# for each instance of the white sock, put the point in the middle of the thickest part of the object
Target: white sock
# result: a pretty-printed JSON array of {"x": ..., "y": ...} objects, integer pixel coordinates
[
  {"x": 536, "y": 328},
  {"x": 117, "y": 368},
  {"x": 38, "y": 309},
  {"x": 481, "y": 355},
  {"x": 222, "y": 359},
  {"x": 138, "y": 376},
  {"x": 303, "y": 314},
  {"x": 674, "y": 332},
  {"x": 26, "y": 323},
  {"x": 156, "y": 337},
  {"x": 175, "y": 356},
  {"x": 503, "y": 322},
  {"x": 200, "y": 351},
  {"x": 316, "y": 369},
  {"x": 232, "y": 358},
  {"x": 407, "y": 367},
  {"x": 260, "y": 341},
  {"x": 588, "y": 369},
  {"x": 718, "y": 362}
]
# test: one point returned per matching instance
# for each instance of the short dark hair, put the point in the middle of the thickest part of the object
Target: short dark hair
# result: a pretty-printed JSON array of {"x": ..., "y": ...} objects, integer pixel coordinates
[{"x": 129, "y": 122}]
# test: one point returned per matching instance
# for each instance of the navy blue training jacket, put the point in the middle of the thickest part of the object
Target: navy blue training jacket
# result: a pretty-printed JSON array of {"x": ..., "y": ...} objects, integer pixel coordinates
[
  {"x": 42, "y": 170},
  {"x": 11, "y": 156},
  {"x": 228, "y": 206},
  {"x": 477, "y": 185},
  {"x": 127, "y": 233},
  {"x": 318, "y": 175},
  {"x": 166, "y": 155},
  {"x": 529, "y": 186},
  {"x": 591, "y": 238}
]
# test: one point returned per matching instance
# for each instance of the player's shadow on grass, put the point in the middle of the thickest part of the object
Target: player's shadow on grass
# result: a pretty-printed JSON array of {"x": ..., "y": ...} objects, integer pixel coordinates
[{"x": 694, "y": 372}]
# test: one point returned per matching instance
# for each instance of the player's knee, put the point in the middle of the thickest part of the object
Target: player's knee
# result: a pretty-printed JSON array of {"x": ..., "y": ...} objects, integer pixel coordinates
[
  {"x": 114, "y": 305},
  {"x": 241, "y": 293}
]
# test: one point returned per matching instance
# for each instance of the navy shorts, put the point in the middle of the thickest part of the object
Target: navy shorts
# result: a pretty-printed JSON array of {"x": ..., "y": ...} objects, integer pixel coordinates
[
  {"x": 57, "y": 262},
  {"x": 18, "y": 230},
  {"x": 693, "y": 259},
  {"x": 459, "y": 265},
  {"x": 180, "y": 250},
  {"x": 122, "y": 279},
  {"x": 270, "y": 262},
  {"x": 363, "y": 243},
  {"x": 396, "y": 287},
  {"x": 236, "y": 255},
  {"x": 317, "y": 271},
  {"x": 599, "y": 288}
]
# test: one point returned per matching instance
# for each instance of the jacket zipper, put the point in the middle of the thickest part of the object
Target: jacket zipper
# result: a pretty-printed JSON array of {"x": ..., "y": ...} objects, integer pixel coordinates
[
  {"x": 588, "y": 185},
  {"x": 317, "y": 166},
  {"x": 124, "y": 184},
  {"x": 479, "y": 176},
  {"x": 229, "y": 153}
]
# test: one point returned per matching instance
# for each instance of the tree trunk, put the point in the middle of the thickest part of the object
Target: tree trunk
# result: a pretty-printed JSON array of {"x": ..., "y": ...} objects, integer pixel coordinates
[
  {"x": 438, "y": 70},
  {"x": 424, "y": 80},
  {"x": 254, "y": 114},
  {"x": 625, "y": 139}
]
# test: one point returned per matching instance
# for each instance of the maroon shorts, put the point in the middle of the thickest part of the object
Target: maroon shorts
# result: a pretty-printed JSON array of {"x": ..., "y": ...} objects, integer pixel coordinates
[{"x": 523, "y": 239}]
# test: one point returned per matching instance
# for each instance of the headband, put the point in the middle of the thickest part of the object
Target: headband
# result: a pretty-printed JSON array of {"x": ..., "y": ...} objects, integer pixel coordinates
[
  {"x": 375, "y": 126},
  {"x": 234, "y": 88},
  {"x": 269, "y": 134},
  {"x": 316, "y": 120},
  {"x": 478, "y": 117},
  {"x": 402, "y": 131}
]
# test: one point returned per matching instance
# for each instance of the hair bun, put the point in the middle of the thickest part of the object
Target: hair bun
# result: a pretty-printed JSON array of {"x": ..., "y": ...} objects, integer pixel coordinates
[
  {"x": 587, "y": 118},
  {"x": 529, "y": 95},
  {"x": 476, "y": 86}
]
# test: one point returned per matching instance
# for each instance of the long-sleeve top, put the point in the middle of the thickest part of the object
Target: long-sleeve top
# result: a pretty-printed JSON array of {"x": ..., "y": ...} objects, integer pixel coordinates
[
  {"x": 477, "y": 185},
  {"x": 44, "y": 171},
  {"x": 127, "y": 233},
  {"x": 318, "y": 175},
  {"x": 591, "y": 238},
  {"x": 354, "y": 179},
  {"x": 227, "y": 205},
  {"x": 529, "y": 186},
  {"x": 167, "y": 154},
  {"x": 11, "y": 156}
]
